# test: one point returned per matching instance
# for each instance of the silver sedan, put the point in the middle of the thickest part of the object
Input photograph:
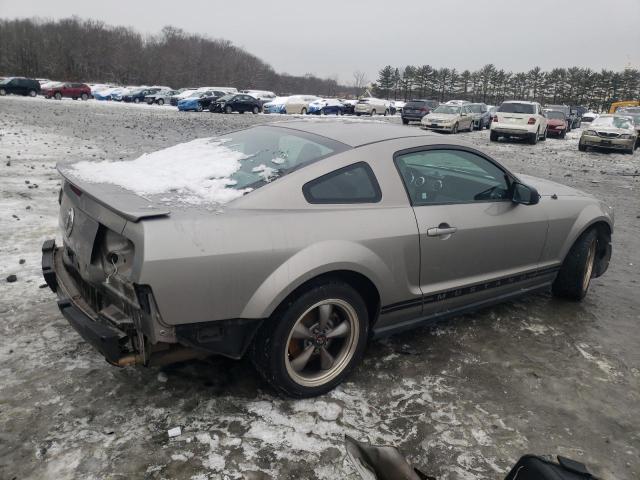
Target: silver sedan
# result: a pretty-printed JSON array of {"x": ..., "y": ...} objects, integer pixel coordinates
[{"x": 322, "y": 236}]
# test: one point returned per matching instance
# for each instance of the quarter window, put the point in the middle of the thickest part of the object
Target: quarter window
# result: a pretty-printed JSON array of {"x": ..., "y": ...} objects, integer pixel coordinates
[
  {"x": 451, "y": 176},
  {"x": 353, "y": 184}
]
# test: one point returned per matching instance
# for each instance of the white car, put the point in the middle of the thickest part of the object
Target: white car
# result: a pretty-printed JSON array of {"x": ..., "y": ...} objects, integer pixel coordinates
[
  {"x": 299, "y": 104},
  {"x": 448, "y": 118},
  {"x": 458, "y": 102},
  {"x": 398, "y": 105},
  {"x": 372, "y": 106},
  {"x": 589, "y": 117},
  {"x": 520, "y": 119}
]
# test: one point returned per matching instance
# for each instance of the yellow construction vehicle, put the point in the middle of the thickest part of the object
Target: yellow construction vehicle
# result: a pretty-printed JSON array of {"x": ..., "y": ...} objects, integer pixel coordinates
[{"x": 627, "y": 103}]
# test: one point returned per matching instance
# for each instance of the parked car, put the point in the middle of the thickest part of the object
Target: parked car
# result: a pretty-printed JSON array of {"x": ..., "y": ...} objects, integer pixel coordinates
[
  {"x": 557, "y": 124},
  {"x": 481, "y": 115},
  {"x": 329, "y": 106},
  {"x": 633, "y": 112},
  {"x": 118, "y": 95},
  {"x": 371, "y": 106},
  {"x": 414, "y": 110},
  {"x": 161, "y": 97},
  {"x": 277, "y": 105},
  {"x": 199, "y": 101},
  {"x": 519, "y": 119},
  {"x": 138, "y": 95},
  {"x": 263, "y": 96},
  {"x": 68, "y": 90},
  {"x": 349, "y": 106},
  {"x": 458, "y": 102},
  {"x": 108, "y": 93},
  {"x": 299, "y": 104},
  {"x": 589, "y": 117},
  {"x": 19, "y": 86},
  {"x": 568, "y": 112},
  {"x": 610, "y": 132},
  {"x": 357, "y": 231},
  {"x": 236, "y": 102},
  {"x": 398, "y": 105},
  {"x": 448, "y": 118},
  {"x": 185, "y": 93}
]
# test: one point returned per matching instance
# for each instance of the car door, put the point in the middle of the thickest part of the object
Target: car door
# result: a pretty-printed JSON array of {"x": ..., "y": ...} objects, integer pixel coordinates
[{"x": 471, "y": 233}]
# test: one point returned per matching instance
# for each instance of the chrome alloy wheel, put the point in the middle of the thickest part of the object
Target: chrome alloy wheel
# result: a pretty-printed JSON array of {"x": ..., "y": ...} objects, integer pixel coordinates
[{"x": 322, "y": 342}]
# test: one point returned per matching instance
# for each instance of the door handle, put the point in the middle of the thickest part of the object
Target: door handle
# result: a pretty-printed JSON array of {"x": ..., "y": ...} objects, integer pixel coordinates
[{"x": 440, "y": 232}]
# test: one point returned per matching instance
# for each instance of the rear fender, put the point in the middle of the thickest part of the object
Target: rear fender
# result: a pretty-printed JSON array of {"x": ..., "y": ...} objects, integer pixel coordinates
[{"x": 315, "y": 260}]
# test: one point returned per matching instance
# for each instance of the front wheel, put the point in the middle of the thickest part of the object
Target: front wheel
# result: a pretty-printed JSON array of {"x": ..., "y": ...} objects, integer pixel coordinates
[
  {"x": 582, "y": 147},
  {"x": 303, "y": 111},
  {"x": 471, "y": 125},
  {"x": 373, "y": 112},
  {"x": 255, "y": 110},
  {"x": 199, "y": 108},
  {"x": 3, "y": 92},
  {"x": 544, "y": 136},
  {"x": 84, "y": 96},
  {"x": 455, "y": 128},
  {"x": 493, "y": 136},
  {"x": 136, "y": 100},
  {"x": 405, "y": 122},
  {"x": 533, "y": 137},
  {"x": 32, "y": 93},
  {"x": 311, "y": 344},
  {"x": 574, "y": 277},
  {"x": 160, "y": 101},
  {"x": 228, "y": 109},
  {"x": 58, "y": 96}
]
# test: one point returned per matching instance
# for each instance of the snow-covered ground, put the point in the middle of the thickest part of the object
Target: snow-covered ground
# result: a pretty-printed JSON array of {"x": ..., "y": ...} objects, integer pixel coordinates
[{"x": 462, "y": 400}]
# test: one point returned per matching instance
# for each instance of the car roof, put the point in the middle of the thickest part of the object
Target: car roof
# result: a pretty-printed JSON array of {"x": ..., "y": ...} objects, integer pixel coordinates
[
  {"x": 519, "y": 101},
  {"x": 357, "y": 133}
]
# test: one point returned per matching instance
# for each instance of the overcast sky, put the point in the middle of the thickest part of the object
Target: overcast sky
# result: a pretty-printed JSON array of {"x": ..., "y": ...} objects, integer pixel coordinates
[{"x": 337, "y": 37}]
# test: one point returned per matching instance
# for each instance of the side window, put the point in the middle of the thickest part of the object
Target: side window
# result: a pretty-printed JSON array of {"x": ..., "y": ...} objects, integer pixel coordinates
[
  {"x": 451, "y": 176},
  {"x": 353, "y": 184}
]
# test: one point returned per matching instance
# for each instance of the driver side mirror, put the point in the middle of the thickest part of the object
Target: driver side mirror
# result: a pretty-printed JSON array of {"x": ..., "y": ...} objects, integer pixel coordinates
[{"x": 524, "y": 194}]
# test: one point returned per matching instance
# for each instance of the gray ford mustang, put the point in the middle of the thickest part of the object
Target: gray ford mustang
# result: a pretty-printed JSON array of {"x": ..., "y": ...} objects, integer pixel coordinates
[{"x": 359, "y": 230}]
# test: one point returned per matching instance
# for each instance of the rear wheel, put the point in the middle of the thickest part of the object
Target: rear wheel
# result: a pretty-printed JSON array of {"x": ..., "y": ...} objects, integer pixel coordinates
[
  {"x": 544, "y": 135},
  {"x": 533, "y": 137},
  {"x": 303, "y": 111},
  {"x": 582, "y": 147},
  {"x": 386, "y": 112},
  {"x": 58, "y": 96},
  {"x": 493, "y": 136},
  {"x": 373, "y": 112},
  {"x": 311, "y": 343},
  {"x": 455, "y": 128},
  {"x": 255, "y": 110},
  {"x": 199, "y": 107},
  {"x": 228, "y": 109},
  {"x": 32, "y": 93},
  {"x": 3, "y": 92},
  {"x": 471, "y": 125},
  {"x": 405, "y": 121},
  {"x": 577, "y": 269},
  {"x": 84, "y": 96},
  {"x": 160, "y": 101},
  {"x": 136, "y": 100}
]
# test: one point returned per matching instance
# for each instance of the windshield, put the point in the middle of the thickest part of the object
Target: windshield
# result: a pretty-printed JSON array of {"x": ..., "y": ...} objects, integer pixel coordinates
[
  {"x": 414, "y": 104},
  {"x": 555, "y": 115},
  {"x": 273, "y": 152},
  {"x": 616, "y": 122},
  {"x": 451, "y": 109},
  {"x": 227, "y": 97},
  {"x": 516, "y": 108},
  {"x": 6, "y": 80},
  {"x": 476, "y": 108}
]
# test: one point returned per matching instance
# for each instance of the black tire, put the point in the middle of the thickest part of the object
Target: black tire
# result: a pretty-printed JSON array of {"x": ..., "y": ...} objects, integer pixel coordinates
[
  {"x": 255, "y": 110},
  {"x": 270, "y": 349},
  {"x": 405, "y": 122},
  {"x": 160, "y": 101},
  {"x": 386, "y": 112},
  {"x": 454, "y": 129},
  {"x": 533, "y": 138},
  {"x": 199, "y": 108},
  {"x": 471, "y": 126},
  {"x": 581, "y": 147},
  {"x": 357, "y": 114},
  {"x": 493, "y": 136},
  {"x": 563, "y": 134},
  {"x": 544, "y": 135},
  {"x": 32, "y": 93},
  {"x": 136, "y": 100},
  {"x": 373, "y": 112},
  {"x": 58, "y": 96},
  {"x": 84, "y": 96},
  {"x": 577, "y": 269},
  {"x": 228, "y": 109},
  {"x": 3, "y": 92},
  {"x": 303, "y": 111}
]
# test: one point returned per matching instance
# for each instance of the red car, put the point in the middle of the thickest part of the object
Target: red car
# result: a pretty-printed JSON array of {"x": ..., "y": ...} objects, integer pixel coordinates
[
  {"x": 68, "y": 89},
  {"x": 557, "y": 123}
]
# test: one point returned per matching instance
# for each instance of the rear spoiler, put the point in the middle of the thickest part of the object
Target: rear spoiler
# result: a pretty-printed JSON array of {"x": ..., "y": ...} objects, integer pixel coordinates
[{"x": 122, "y": 202}]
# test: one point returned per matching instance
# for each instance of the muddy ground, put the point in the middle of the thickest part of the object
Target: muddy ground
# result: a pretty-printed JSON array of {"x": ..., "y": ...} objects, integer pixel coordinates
[{"x": 462, "y": 400}]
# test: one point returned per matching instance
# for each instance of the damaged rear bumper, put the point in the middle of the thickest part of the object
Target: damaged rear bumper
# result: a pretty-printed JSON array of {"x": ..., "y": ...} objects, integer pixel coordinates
[{"x": 130, "y": 344}]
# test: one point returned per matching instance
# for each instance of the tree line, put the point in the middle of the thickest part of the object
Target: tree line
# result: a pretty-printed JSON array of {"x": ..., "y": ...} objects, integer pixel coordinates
[
  {"x": 570, "y": 86},
  {"x": 72, "y": 49}
]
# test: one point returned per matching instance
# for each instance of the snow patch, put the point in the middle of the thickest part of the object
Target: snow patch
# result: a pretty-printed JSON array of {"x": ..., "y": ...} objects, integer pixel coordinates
[{"x": 198, "y": 172}]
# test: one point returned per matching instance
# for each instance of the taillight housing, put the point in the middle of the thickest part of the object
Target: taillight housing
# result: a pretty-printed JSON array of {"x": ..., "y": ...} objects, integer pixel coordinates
[
  {"x": 495, "y": 118},
  {"x": 532, "y": 121}
]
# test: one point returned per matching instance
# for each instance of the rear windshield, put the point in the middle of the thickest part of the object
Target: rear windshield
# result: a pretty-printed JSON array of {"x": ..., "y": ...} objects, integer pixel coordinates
[
  {"x": 516, "y": 108},
  {"x": 415, "y": 104},
  {"x": 555, "y": 115},
  {"x": 273, "y": 152}
]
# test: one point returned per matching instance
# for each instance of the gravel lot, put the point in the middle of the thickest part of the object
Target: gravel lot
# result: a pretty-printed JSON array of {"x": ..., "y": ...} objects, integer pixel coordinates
[{"x": 462, "y": 400}]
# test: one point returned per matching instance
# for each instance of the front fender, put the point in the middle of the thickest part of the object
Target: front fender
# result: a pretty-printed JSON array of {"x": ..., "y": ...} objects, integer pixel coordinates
[
  {"x": 315, "y": 260},
  {"x": 588, "y": 216}
]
